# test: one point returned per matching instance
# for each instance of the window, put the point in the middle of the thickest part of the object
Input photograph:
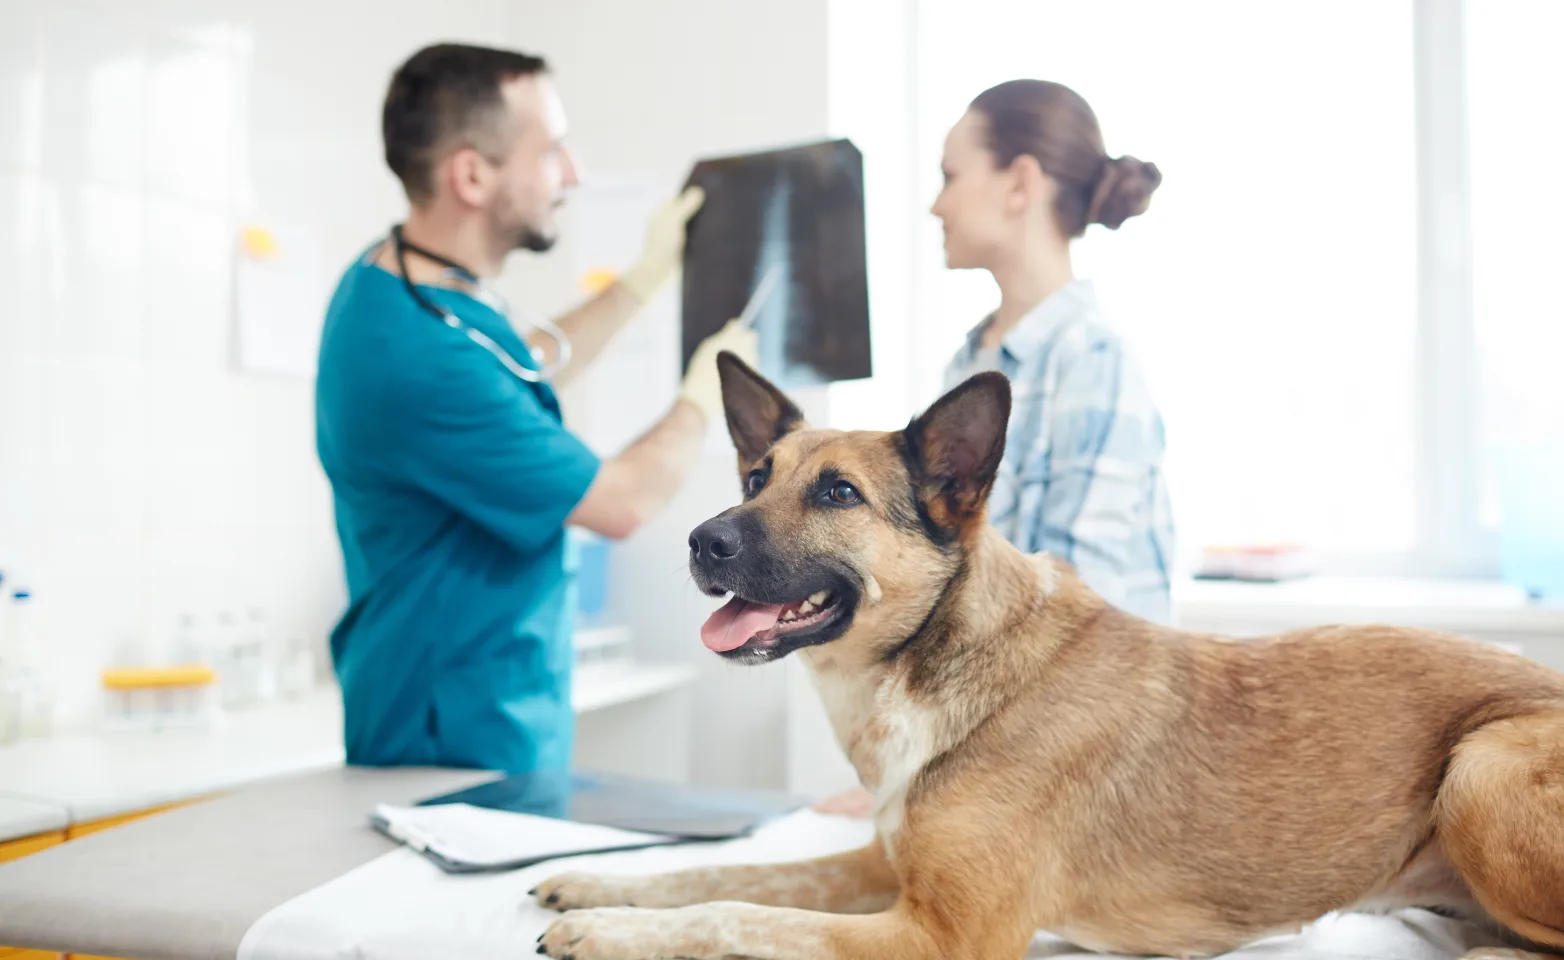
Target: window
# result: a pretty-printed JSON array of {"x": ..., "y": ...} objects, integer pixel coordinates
[
  {"x": 1343, "y": 292},
  {"x": 1517, "y": 234},
  {"x": 1270, "y": 290}
]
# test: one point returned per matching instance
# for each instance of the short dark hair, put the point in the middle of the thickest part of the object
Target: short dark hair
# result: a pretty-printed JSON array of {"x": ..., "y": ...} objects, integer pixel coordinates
[{"x": 447, "y": 96}]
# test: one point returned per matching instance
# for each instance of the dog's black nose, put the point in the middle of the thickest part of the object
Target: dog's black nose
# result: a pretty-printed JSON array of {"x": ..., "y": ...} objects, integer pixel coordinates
[{"x": 716, "y": 539}]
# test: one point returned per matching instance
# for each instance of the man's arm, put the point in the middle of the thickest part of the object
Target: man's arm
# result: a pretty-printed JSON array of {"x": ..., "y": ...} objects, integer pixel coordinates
[
  {"x": 592, "y": 326},
  {"x": 632, "y": 487}
]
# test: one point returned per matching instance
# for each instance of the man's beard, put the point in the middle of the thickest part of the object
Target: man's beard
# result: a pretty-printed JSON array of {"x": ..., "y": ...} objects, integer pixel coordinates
[
  {"x": 534, "y": 241},
  {"x": 515, "y": 236},
  {"x": 537, "y": 243}
]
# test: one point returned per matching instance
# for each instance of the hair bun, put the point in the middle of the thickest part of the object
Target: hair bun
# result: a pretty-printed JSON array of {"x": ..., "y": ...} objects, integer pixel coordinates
[{"x": 1124, "y": 190}]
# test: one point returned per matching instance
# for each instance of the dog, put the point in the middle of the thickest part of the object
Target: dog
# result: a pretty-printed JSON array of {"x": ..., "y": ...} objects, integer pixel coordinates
[{"x": 1041, "y": 760}]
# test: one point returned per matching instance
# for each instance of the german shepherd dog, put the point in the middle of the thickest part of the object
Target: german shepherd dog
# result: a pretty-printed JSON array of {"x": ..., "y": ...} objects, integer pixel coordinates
[{"x": 1043, "y": 761}]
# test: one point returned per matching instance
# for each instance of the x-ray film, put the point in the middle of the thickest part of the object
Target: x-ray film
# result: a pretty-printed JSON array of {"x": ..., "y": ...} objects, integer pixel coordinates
[{"x": 783, "y": 233}]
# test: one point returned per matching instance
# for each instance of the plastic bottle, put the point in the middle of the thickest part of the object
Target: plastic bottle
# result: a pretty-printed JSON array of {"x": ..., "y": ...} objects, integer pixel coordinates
[
  {"x": 185, "y": 646},
  {"x": 10, "y": 690},
  {"x": 234, "y": 673},
  {"x": 5, "y": 619},
  {"x": 10, "y": 705},
  {"x": 296, "y": 668},
  {"x": 36, "y": 697},
  {"x": 258, "y": 649}
]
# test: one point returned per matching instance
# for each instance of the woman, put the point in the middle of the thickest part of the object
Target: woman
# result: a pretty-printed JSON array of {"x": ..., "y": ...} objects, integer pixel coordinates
[{"x": 1025, "y": 175}]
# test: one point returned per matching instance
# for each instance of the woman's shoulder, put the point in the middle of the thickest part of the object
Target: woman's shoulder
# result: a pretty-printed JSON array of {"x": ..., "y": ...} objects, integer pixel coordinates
[
  {"x": 1096, "y": 348},
  {"x": 1089, "y": 340},
  {"x": 966, "y": 352},
  {"x": 1069, "y": 324}
]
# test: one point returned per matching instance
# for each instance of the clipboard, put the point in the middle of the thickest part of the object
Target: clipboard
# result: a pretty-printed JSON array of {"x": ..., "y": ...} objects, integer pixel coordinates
[
  {"x": 528, "y": 818},
  {"x": 460, "y": 838}
]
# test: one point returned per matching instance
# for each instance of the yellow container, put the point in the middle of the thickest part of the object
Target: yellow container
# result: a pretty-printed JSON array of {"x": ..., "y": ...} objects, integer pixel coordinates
[{"x": 156, "y": 698}]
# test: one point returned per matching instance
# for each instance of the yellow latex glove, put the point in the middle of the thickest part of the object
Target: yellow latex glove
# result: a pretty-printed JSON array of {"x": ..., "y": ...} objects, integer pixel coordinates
[
  {"x": 662, "y": 252},
  {"x": 702, "y": 385}
]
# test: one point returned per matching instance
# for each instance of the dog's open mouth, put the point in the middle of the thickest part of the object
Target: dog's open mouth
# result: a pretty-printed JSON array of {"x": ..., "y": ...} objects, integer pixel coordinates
[{"x": 741, "y": 623}]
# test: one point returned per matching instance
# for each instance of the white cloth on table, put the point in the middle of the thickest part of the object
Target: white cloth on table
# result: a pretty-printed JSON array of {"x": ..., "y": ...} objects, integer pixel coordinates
[{"x": 402, "y": 907}]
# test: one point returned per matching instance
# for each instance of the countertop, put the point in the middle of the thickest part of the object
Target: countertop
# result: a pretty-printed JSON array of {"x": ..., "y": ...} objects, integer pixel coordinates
[
  {"x": 92, "y": 775},
  {"x": 24, "y": 818},
  {"x": 1462, "y": 605},
  {"x": 95, "y": 775}
]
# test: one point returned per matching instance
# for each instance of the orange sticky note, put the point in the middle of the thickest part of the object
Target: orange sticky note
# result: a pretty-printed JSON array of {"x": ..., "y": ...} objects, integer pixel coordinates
[
  {"x": 598, "y": 280},
  {"x": 259, "y": 242}
]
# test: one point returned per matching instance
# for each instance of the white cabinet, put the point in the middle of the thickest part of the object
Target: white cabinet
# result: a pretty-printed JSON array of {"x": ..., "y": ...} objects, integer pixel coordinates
[
  {"x": 635, "y": 720},
  {"x": 1481, "y": 610}
]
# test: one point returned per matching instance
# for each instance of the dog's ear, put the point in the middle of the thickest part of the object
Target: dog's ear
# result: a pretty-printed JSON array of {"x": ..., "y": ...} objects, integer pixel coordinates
[
  {"x": 758, "y": 413},
  {"x": 954, "y": 448}
]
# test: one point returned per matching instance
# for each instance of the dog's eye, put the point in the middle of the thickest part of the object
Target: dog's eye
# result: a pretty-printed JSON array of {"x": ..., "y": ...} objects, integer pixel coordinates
[
  {"x": 754, "y": 482},
  {"x": 843, "y": 493}
]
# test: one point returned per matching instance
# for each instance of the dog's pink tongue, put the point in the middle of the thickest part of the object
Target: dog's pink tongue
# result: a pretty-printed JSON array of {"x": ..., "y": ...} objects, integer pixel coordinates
[{"x": 737, "y": 620}]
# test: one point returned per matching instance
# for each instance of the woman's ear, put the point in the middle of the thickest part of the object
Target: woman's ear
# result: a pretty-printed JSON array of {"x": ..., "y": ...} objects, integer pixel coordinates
[
  {"x": 1031, "y": 185},
  {"x": 1026, "y": 185}
]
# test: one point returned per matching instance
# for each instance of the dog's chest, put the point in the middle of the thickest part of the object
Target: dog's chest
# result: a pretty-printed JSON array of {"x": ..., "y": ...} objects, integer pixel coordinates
[
  {"x": 907, "y": 738},
  {"x": 850, "y": 706},
  {"x": 886, "y": 735}
]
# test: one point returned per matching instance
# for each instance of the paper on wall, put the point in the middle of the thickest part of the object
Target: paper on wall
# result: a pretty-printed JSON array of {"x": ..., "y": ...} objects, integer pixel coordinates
[
  {"x": 631, "y": 384},
  {"x": 280, "y": 298}
]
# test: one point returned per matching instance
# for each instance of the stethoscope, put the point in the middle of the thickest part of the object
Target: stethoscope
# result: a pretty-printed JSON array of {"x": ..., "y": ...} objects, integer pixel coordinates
[{"x": 562, "y": 342}]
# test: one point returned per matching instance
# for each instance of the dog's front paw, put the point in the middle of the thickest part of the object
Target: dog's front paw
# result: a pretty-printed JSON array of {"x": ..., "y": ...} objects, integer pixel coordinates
[
  {"x": 574, "y": 891},
  {"x": 611, "y": 933}
]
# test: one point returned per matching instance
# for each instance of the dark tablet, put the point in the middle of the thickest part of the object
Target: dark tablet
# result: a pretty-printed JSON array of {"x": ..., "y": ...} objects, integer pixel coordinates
[{"x": 692, "y": 813}]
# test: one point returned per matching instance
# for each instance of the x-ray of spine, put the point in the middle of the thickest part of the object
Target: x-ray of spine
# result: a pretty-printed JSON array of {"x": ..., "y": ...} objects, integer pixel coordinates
[{"x": 799, "y": 210}]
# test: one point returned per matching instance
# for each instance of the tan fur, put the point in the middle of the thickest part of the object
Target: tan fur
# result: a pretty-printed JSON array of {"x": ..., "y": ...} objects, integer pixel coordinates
[
  {"x": 860, "y": 881},
  {"x": 1041, "y": 760}
]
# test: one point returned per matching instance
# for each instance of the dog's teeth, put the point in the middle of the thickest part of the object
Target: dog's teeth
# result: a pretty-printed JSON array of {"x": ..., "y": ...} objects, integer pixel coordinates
[
  {"x": 805, "y": 607},
  {"x": 789, "y": 615},
  {"x": 818, "y": 599}
]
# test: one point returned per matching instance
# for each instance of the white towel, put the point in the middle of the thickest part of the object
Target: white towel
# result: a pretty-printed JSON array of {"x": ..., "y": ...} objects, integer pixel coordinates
[{"x": 402, "y": 907}]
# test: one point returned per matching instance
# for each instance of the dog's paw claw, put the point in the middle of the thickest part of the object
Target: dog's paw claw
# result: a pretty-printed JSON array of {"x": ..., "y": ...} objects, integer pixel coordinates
[
  {"x": 607, "y": 934},
  {"x": 576, "y": 891}
]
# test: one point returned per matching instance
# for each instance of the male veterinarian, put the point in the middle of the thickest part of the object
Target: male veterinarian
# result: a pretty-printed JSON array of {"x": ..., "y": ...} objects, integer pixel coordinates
[{"x": 437, "y": 425}]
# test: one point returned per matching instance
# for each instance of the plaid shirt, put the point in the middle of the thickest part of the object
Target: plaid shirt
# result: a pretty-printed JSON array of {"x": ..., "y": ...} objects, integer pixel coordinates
[{"x": 1082, "y": 472}]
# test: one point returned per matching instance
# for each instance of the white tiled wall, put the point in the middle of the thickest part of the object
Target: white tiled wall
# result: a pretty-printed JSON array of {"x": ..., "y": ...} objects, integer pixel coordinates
[{"x": 141, "y": 473}]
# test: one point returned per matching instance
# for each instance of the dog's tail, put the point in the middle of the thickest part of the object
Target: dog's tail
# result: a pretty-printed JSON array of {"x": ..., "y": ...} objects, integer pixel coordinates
[{"x": 1501, "y": 821}]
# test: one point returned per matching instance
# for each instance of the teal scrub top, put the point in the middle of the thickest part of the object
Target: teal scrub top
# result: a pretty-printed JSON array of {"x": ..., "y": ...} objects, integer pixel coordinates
[{"x": 451, "y": 479}]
